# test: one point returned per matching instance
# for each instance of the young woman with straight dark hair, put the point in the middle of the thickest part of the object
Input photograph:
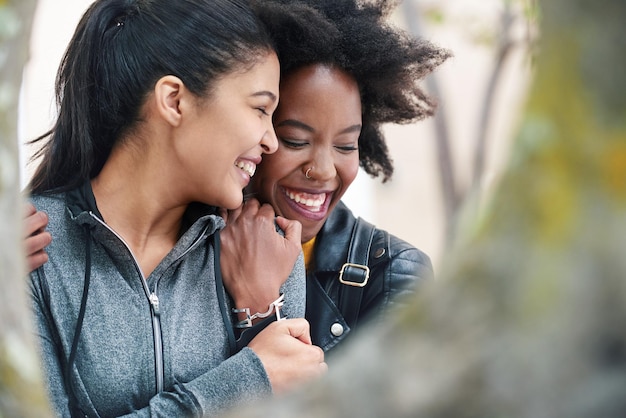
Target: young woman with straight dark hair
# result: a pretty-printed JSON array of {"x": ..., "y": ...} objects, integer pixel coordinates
[{"x": 164, "y": 113}]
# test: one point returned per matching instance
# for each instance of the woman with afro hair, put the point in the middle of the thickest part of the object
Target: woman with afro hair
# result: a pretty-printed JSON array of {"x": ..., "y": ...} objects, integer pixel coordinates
[{"x": 344, "y": 72}]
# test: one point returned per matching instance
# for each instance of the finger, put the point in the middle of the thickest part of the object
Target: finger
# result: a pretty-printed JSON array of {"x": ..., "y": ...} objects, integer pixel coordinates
[
  {"x": 35, "y": 222},
  {"x": 299, "y": 328},
  {"x": 293, "y": 229},
  {"x": 37, "y": 242},
  {"x": 234, "y": 214},
  {"x": 29, "y": 209},
  {"x": 323, "y": 367},
  {"x": 267, "y": 211},
  {"x": 34, "y": 261},
  {"x": 251, "y": 206}
]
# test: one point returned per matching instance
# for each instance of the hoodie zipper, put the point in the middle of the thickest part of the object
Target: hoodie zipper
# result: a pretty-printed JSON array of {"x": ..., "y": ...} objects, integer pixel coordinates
[
  {"x": 154, "y": 303},
  {"x": 158, "y": 340},
  {"x": 154, "y": 311}
]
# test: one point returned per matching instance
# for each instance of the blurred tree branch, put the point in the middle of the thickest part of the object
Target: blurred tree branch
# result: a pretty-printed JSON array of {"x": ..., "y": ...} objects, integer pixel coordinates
[{"x": 502, "y": 40}]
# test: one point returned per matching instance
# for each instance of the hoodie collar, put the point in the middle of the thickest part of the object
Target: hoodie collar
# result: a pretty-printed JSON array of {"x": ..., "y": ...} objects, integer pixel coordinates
[{"x": 81, "y": 204}]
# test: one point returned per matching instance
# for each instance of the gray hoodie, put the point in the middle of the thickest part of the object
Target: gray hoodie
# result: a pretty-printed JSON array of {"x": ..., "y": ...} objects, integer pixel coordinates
[{"x": 154, "y": 346}]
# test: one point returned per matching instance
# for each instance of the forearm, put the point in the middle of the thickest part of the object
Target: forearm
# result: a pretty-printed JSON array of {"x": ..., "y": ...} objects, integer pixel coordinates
[
  {"x": 239, "y": 378},
  {"x": 294, "y": 305}
]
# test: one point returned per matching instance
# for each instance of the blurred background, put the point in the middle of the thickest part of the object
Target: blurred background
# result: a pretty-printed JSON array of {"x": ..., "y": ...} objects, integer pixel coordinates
[{"x": 444, "y": 166}]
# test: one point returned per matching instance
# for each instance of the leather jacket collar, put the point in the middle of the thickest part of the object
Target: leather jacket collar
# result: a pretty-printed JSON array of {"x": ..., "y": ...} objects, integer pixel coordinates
[{"x": 335, "y": 236}]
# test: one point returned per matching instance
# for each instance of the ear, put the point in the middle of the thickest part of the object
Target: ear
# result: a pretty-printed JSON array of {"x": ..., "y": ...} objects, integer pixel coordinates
[{"x": 169, "y": 91}]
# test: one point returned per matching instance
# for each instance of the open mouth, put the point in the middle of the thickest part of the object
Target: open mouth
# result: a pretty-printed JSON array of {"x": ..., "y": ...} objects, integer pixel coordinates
[
  {"x": 313, "y": 202},
  {"x": 246, "y": 166}
]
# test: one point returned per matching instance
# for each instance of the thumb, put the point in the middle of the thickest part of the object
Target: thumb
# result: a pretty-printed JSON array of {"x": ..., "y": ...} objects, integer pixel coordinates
[{"x": 293, "y": 229}]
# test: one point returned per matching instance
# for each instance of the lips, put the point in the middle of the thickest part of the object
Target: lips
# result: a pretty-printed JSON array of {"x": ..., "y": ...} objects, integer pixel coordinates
[
  {"x": 246, "y": 166},
  {"x": 313, "y": 202}
]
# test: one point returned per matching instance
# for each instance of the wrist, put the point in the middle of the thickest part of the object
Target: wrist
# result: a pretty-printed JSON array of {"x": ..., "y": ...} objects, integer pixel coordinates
[
  {"x": 245, "y": 317},
  {"x": 259, "y": 301}
]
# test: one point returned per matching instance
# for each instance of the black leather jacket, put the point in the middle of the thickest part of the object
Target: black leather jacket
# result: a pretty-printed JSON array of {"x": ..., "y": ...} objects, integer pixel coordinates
[{"x": 396, "y": 267}]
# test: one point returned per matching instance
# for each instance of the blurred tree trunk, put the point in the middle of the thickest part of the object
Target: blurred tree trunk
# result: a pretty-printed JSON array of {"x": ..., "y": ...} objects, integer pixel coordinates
[
  {"x": 21, "y": 390},
  {"x": 529, "y": 321}
]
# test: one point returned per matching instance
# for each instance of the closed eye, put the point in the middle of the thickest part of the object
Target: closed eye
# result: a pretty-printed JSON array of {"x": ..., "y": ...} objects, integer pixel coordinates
[
  {"x": 347, "y": 148},
  {"x": 264, "y": 101},
  {"x": 290, "y": 143}
]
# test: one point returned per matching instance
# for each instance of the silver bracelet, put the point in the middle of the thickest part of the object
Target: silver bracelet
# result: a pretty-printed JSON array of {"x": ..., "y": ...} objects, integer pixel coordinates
[{"x": 274, "y": 306}]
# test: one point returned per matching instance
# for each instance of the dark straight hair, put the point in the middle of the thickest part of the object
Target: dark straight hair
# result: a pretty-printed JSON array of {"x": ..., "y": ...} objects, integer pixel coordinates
[{"x": 119, "y": 50}]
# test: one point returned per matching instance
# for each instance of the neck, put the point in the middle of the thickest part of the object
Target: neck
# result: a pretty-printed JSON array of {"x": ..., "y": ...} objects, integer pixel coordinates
[{"x": 135, "y": 200}]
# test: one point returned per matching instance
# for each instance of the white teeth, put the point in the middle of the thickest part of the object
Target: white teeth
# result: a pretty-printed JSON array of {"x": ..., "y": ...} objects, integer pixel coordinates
[
  {"x": 246, "y": 166},
  {"x": 312, "y": 202}
]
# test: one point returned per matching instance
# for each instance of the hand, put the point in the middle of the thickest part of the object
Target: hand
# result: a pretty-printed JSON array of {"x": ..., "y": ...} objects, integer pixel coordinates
[
  {"x": 256, "y": 260},
  {"x": 36, "y": 238},
  {"x": 289, "y": 358}
]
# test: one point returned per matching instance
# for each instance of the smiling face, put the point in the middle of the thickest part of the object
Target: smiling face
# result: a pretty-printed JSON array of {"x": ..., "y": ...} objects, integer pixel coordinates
[
  {"x": 318, "y": 122},
  {"x": 225, "y": 137}
]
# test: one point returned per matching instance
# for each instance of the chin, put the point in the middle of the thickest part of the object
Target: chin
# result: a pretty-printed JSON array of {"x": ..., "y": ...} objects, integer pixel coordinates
[{"x": 233, "y": 203}]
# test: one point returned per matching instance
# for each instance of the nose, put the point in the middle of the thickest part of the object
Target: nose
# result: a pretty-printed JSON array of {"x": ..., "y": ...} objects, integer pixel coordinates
[
  {"x": 324, "y": 164},
  {"x": 269, "y": 142}
]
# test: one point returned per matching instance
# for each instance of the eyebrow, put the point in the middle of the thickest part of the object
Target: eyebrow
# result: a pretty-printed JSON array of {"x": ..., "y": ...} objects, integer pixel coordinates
[
  {"x": 297, "y": 124},
  {"x": 269, "y": 94}
]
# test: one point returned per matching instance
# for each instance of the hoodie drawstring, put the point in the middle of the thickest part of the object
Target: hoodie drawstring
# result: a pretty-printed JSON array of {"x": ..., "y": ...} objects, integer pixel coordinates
[
  {"x": 219, "y": 284},
  {"x": 73, "y": 402}
]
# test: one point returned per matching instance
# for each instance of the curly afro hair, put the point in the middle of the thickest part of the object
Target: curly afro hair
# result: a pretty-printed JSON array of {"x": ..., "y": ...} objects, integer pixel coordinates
[{"x": 386, "y": 62}]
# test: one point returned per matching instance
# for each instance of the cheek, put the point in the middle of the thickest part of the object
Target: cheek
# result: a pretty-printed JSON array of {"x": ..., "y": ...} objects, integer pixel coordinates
[
  {"x": 348, "y": 171},
  {"x": 278, "y": 166},
  {"x": 266, "y": 171},
  {"x": 267, "y": 175}
]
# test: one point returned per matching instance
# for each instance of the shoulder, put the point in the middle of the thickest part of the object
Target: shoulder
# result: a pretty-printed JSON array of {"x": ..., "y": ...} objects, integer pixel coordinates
[
  {"x": 400, "y": 248},
  {"x": 397, "y": 255},
  {"x": 59, "y": 222},
  {"x": 54, "y": 205},
  {"x": 68, "y": 236},
  {"x": 49, "y": 202},
  {"x": 397, "y": 269}
]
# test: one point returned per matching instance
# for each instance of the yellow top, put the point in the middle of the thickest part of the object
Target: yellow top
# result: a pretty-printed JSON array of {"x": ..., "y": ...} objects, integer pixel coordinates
[{"x": 307, "y": 249}]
